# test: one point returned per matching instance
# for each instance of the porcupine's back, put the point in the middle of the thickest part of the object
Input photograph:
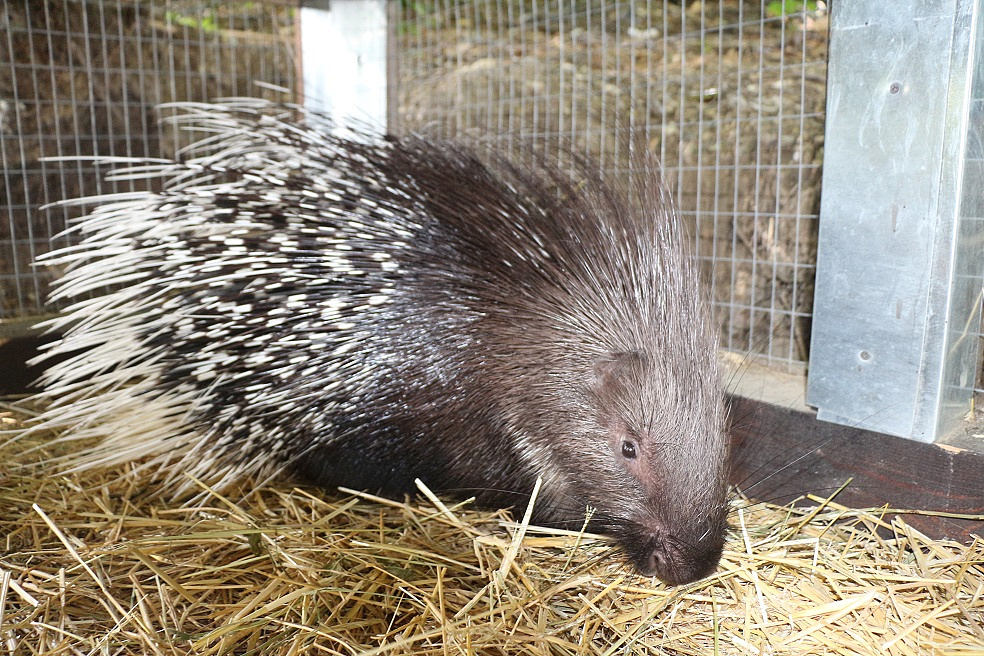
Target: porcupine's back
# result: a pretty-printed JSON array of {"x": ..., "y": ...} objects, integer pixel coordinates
[
  {"x": 370, "y": 311},
  {"x": 245, "y": 297}
]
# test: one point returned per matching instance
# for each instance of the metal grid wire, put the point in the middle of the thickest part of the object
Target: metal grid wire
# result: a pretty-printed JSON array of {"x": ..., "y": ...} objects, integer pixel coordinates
[
  {"x": 83, "y": 78},
  {"x": 729, "y": 94}
]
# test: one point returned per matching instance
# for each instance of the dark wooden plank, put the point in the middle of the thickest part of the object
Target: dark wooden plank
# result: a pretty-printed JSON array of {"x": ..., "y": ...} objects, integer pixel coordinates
[
  {"x": 780, "y": 454},
  {"x": 16, "y": 377}
]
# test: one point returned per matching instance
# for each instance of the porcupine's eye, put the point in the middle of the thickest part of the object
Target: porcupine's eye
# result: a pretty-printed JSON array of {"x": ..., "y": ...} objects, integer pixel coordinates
[{"x": 628, "y": 450}]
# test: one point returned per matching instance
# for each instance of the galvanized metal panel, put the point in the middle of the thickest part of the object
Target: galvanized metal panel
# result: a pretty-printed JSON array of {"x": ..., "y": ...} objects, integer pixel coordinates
[
  {"x": 889, "y": 312},
  {"x": 963, "y": 342}
]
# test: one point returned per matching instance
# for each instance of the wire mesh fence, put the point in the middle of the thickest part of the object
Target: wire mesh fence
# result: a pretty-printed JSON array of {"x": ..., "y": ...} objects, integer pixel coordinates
[
  {"x": 729, "y": 94},
  {"x": 83, "y": 79}
]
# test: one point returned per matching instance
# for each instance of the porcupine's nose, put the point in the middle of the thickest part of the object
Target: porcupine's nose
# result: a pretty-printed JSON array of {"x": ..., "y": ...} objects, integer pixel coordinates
[
  {"x": 677, "y": 561},
  {"x": 675, "y": 554}
]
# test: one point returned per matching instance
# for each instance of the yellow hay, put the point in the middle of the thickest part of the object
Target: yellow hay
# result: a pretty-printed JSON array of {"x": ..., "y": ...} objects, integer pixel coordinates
[{"x": 96, "y": 563}]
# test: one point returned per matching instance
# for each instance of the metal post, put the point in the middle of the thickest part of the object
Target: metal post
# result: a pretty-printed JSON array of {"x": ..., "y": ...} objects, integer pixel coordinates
[
  {"x": 343, "y": 50},
  {"x": 897, "y": 308}
]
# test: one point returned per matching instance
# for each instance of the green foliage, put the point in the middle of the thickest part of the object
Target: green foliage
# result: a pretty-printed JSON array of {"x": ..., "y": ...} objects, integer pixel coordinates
[
  {"x": 412, "y": 9},
  {"x": 205, "y": 21},
  {"x": 780, "y": 8}
]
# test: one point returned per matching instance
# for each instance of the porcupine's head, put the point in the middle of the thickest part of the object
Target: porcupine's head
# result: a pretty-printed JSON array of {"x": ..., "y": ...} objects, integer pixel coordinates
[{"x": 635, "y": 430}]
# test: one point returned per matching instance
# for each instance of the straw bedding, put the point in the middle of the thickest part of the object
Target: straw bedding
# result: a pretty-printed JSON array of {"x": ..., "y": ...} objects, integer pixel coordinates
[{"x": 97, "y": 563}]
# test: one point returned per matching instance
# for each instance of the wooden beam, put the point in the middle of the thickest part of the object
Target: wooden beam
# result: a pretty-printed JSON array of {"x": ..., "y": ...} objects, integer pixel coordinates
[
  {"x": 16, "y": 377},
  {"x": 779, "y": 455}
]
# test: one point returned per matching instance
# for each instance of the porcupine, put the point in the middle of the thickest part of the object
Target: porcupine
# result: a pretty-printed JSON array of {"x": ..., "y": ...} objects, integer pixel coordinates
[{"x": 367, "y": 311}]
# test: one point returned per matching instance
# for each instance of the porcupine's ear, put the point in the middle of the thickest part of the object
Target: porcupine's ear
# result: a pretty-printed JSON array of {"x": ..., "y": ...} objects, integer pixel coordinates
[{"x": 610, "y": 370}]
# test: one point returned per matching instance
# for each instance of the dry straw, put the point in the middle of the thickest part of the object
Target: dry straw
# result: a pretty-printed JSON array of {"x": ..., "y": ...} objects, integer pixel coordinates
[{"x": 96, "y": 563}]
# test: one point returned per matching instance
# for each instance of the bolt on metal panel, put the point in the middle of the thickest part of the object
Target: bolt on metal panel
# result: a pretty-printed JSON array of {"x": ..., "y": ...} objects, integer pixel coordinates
[{"x": 896, "y": 309}]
